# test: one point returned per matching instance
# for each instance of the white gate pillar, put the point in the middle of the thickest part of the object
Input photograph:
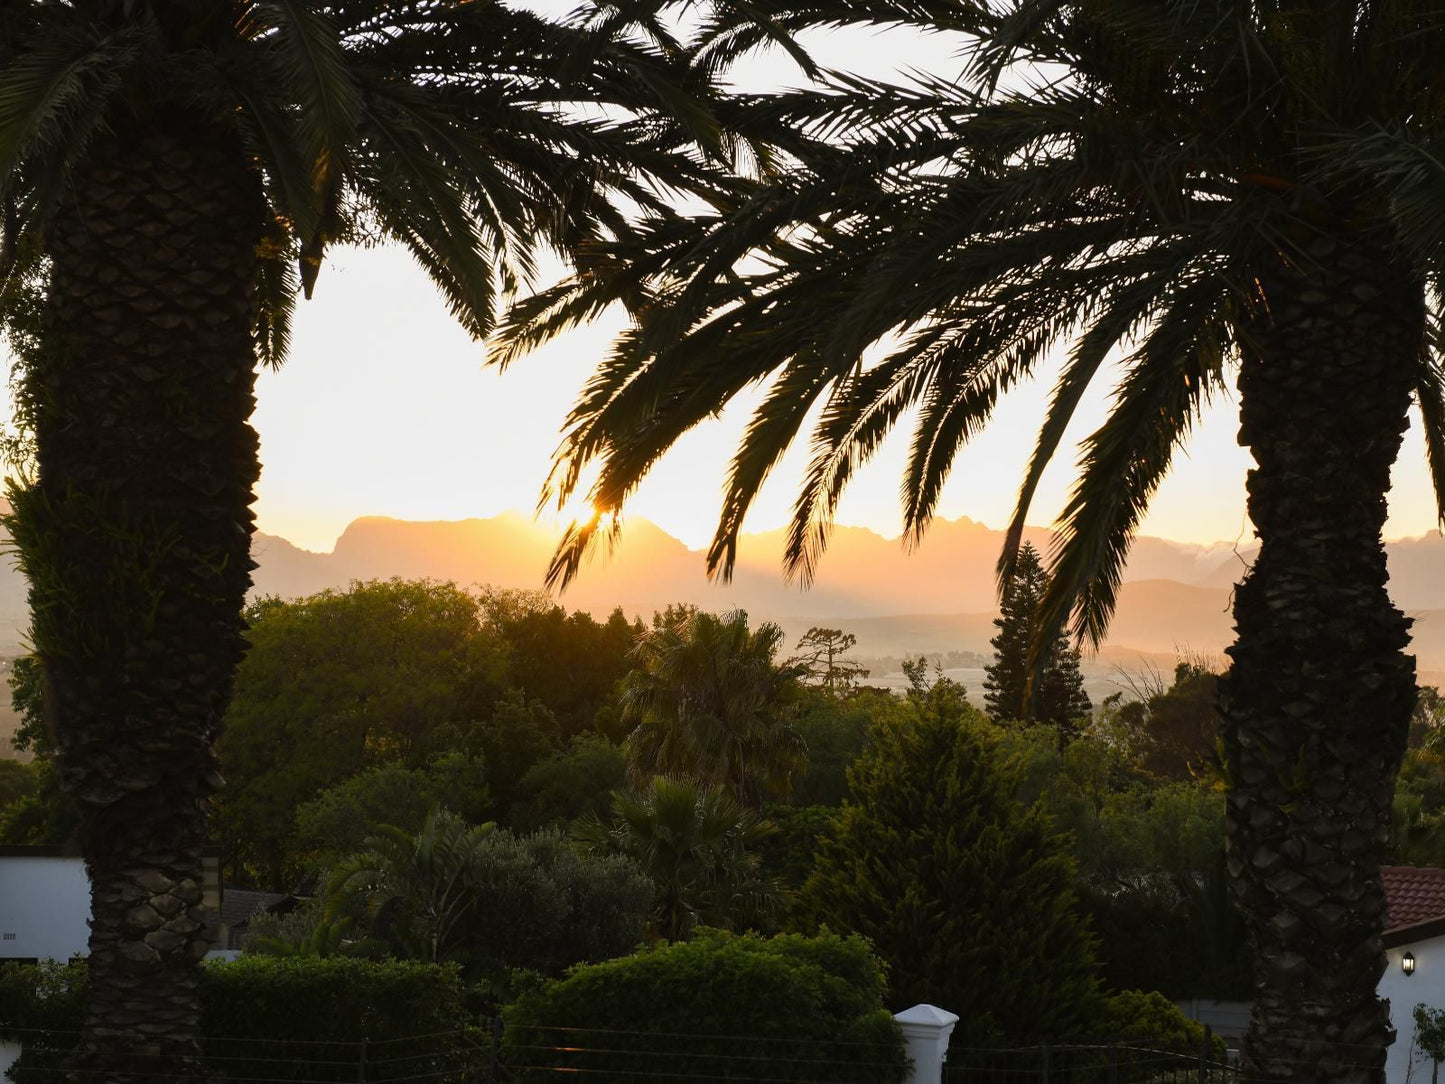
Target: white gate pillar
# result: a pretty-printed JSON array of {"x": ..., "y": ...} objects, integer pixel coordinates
[{"x": 926, "y": 1029}]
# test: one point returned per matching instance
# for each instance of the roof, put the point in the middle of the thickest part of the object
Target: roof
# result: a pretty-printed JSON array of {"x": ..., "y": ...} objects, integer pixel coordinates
[
  {"x": 1414, "y": 903},
  {"x": 239, "y": 904}
]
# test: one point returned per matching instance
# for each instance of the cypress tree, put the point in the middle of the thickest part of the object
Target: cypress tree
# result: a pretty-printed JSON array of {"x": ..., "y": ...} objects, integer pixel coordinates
[
  {"x": 964, "y": 893},
  {"x": 1058, "y": 698}
]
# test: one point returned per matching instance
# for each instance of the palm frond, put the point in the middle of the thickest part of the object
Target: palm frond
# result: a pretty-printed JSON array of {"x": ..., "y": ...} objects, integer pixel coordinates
[
  {"x": 1167, "y": 382},
  {"x": 308, "y": 45},
  {"x": 52, "y": 97}
]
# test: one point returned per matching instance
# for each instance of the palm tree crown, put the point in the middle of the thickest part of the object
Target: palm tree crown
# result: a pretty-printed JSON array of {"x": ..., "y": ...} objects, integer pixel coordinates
[
  {"x": 1101, "y": 177},
  {"x": 1204, "y": 188},
  {"x": 471, "y": 133},
  {"x": 710, "y": 699},
  {"x": 170, "y": 172}
]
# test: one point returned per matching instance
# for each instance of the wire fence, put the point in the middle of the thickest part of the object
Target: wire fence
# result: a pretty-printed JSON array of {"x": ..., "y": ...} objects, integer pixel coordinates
[
  {"x": 445, "y": 1058},
  {"x": 536, "y": 1055},
  {"x": 1087, "y": 1063}
]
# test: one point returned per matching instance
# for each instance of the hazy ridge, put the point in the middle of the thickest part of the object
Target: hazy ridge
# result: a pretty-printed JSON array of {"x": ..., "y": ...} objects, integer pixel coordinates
[{"x": 938, "y": 598}]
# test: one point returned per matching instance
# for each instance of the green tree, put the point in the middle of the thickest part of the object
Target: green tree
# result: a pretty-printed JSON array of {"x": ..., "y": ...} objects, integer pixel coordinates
[
  {"x": 1022, "y": 689},
  {"x": 17, "y": 782},
  {"x": 170, "y": 171},
  {"x": 710, "y": 701},
  {"x": 1173, "y": 195},
  {"x": 394, "y": 672},
  {"x": 965, "y": 894},
  {"x": 835, "y": 730},
  {"x": 568, "y": 662},
  {"x": 821, "y": 651},
  {"x": 1172, "y": 733},
  {"x": 568, "y": 784},
  {"x": 699, "y": 848}
]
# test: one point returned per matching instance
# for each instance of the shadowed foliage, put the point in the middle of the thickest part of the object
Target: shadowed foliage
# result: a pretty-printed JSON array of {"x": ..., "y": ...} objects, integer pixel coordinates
[
  {"x": 170, "y": 174},
  {"x": 1167, "y": 194}
]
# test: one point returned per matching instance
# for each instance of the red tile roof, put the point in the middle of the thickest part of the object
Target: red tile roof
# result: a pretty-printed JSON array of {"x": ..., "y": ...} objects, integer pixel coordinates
[{"x": 1412, "y": 894}]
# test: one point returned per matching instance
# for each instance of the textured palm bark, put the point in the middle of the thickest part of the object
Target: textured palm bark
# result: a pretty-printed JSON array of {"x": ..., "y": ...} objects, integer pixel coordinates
[
  {"x": 1319, "y": 697},
  {"x": 136, "y": 538}
]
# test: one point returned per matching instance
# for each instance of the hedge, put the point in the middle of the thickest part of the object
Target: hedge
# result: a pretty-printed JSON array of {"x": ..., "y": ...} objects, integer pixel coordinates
[
  {"x": 261, "y": 1012},
  {"x": 718, "y": 1007}
]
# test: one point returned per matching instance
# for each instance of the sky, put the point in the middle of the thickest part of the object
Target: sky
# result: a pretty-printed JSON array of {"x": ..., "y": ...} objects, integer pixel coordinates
[{"x": 385, "y": 408}]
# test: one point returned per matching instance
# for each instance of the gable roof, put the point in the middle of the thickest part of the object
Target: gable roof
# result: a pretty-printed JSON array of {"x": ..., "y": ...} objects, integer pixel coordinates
[
  {"x": 1414, "y": 903},
  {"x": 1413, "y": 894}
]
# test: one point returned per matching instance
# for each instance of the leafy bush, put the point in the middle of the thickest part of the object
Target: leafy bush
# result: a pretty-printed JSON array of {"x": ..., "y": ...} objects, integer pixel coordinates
[
  {"x": 543, "y": 906},
  {"x": 1151, "y": 1019},
  {"x": 336, "y": 999},
  {"x": 718, "y": 1007},
  {"x": 251, "y": 1004}
]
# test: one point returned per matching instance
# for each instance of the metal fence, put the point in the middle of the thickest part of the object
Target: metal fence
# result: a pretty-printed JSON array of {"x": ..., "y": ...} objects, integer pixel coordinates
[
  {"x": 485, "y": 1055},
  {"x": 1087, "y": 1063}
]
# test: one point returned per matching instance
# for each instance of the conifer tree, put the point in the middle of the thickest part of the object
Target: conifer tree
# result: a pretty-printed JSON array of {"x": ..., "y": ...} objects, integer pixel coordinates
[
  {"x": 1058, "y": 698},
  {"x": 964, "y": 893}
]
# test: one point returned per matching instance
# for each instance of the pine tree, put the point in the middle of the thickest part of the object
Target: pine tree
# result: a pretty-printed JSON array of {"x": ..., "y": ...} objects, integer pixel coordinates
[
  {"x": 965, "y": 894},
  {"x": 1058, "y": 697}
]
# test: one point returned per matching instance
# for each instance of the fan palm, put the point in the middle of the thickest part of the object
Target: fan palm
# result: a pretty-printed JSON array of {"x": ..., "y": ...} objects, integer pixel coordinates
[
  {"x": 1199, "y": 187},
  {"x": 709, "y": 700},
  {"x": 170, "y": 172},
  {"x": 697, "y": 844}
]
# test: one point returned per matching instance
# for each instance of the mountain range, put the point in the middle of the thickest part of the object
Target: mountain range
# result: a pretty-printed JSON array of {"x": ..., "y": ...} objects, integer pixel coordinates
[{"x": 938, "y": 598}]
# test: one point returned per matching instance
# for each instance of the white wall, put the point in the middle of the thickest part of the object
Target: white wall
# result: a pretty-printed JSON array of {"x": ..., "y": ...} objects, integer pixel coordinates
[
  {"x": 45, "y": 903},
  {"x": 1404, "y": 1063}
]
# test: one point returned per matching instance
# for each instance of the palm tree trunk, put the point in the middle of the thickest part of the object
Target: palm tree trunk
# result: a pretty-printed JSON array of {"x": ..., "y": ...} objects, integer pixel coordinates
[
  {"x": 1318, "y": 700},
  {"x": 136, "y": 540}
]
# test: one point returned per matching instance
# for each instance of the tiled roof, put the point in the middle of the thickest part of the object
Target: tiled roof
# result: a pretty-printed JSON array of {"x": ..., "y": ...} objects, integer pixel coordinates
[{"x": 1412, "y": 894}]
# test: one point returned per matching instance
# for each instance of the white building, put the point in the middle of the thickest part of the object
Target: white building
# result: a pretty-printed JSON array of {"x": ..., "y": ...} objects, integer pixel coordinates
[
  {"x": 1415, "y": 948},
  {"x": 45, "y": 903}
]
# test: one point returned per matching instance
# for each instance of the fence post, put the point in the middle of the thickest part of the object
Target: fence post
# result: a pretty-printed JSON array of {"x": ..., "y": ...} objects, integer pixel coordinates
[
  {"x": 361, "y": 1062},
  {"x": 1204, "y": 1053},
  {"x": 926, "y": 1029}
]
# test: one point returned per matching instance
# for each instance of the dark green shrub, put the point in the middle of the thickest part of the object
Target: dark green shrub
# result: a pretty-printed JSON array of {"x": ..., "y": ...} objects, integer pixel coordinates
[
  {"x": 273, "y": 1017},
  {"x": 1152, "y": 1020},
  {"x": 717, "y": 1007}
]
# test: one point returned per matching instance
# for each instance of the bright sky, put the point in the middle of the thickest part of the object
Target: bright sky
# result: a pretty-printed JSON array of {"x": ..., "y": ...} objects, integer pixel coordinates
[{"x": 385, "y": 409}]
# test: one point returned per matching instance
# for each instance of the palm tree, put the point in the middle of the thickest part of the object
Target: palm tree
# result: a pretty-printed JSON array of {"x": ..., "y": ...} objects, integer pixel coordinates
[
  {"x": 1205, "y": 187},
  {"x": 169, "y": 173},
  {"x": 418, "y": 890},
  {"x": 697, "y": 844},
  {"x": 709, "y": 700}
]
